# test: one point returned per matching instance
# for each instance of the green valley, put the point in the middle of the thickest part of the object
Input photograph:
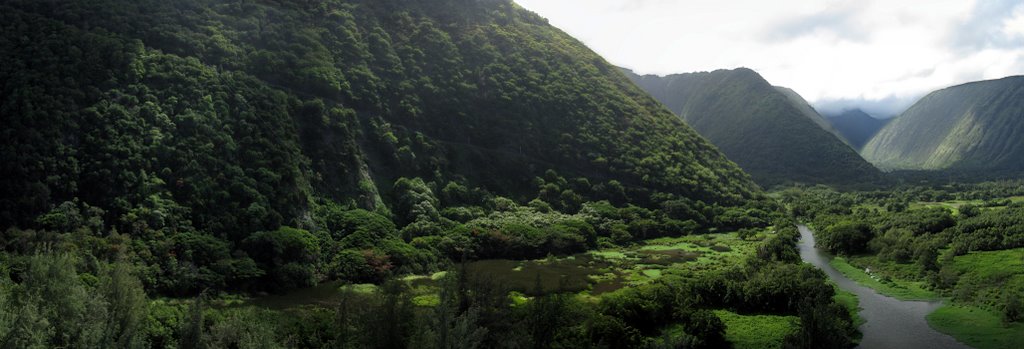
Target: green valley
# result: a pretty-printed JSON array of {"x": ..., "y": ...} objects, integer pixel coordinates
[
  {"x": 770, "y": 132},
  {"x": 441, "y": 174}
]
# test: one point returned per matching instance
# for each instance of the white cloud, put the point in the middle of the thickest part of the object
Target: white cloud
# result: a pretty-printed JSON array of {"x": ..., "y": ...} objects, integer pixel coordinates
[
  {"x": 1014, "y": 26},
  {"x": 827, "y": 50}
]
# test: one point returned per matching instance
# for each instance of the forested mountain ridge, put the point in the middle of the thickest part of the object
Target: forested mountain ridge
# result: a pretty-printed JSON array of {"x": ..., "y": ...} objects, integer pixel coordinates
[
  {"x": 856, "y": 126},
  {"x": 971, "y": 127},
  {"x": 762, "y": 128},
  {"x": 808, "y": 110},
  {"x": 270, "y": 144}
]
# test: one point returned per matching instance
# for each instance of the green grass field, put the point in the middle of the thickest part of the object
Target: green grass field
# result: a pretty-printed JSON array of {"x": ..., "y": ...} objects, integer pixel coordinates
[
  {"x": 987, "y": 278},
  {"x": 954, "y": 205},
  {"x": 756, "y": 331},
  {"x": 899, "y": 289},
  {"x": 977, "y": 327}
]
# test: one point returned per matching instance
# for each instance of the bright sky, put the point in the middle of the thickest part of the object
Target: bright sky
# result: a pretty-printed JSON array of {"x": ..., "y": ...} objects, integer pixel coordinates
[{"x": 880, "y": 55}]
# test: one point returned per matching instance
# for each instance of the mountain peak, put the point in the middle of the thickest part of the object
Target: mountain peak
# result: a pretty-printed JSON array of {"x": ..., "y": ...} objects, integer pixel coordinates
[
  {"x": 855, "y": 126},
  {"x": 772, "y": 133}
]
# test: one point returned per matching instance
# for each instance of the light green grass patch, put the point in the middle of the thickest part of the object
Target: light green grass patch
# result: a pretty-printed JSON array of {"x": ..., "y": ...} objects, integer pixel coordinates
[
  {"x": 609, "y": 254},
  {"x": 992, "y": 264},
  {"x": 360, "y": 288},
  {"x": 976, "y": 327},
  {"x": 899, "y": 289},
  {"x": 952, "y": 205},
  {"x": 652, "y": 273},
  {"x": 518, "y": 299},
  {"x": 756, "y": 331},
  {"x": 987, "y": 277},
  {"x": 426, "y": 300}
]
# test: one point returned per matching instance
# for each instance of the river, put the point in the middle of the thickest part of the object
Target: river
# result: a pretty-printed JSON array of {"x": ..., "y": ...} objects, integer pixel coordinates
[{"x": 890, "y": 323}]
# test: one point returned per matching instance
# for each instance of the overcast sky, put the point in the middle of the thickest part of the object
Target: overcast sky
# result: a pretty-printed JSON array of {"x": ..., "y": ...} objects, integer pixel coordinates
[{"x": 877, "y": 54}]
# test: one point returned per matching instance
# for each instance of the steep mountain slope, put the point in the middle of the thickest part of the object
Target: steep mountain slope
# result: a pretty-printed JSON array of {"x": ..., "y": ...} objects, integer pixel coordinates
[
  {"x": 856, "y": 126},
  {"x": 769, "y": 133},
  {"x": 806, "y": 109},
  {"x": 207, "y": 130},
  {"x": 974, "y": 126}
]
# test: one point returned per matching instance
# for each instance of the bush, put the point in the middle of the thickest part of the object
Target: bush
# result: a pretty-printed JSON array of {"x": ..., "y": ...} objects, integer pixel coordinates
[
  {"x": 287, "y": 255},
  {"x": 343, "y": 223},
  {"x": 351, "y": 265},
  {"x": 1013, "y": 310},
  {"x": 846, "y": 237},
  {"x": 706, "y": 327}
]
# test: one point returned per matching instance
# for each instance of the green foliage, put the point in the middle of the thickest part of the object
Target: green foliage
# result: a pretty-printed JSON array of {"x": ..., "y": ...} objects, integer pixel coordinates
[
  {"x": 357, "y": 228},
  {"x": 245, "y": 328},
  {"x": 819, "y": 328},
  {"x": 1013, "y": 309},
  {"x": 416, "y": 201},
  {"x": 960, "y": 241},
  {"x": 846, "y": 237},
  {"x": 990, "y": 230},
  {"x": 780, "y": 248},
  {"x": 127, "y": 307},
  {"x": 183, "y": 136},
  {"x": 287, "y": 254},
  {"x": 54, "y": 306}
]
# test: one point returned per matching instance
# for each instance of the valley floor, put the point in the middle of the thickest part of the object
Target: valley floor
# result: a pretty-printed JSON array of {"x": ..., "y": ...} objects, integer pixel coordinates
[{"x": 590, "y": 276}]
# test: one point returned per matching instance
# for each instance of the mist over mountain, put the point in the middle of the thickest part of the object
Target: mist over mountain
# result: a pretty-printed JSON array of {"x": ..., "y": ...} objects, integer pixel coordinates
[
  {"x": 974, "y": 126},
  {"x": 772, "y": 133},
  {"x": 856, "y": 126}
]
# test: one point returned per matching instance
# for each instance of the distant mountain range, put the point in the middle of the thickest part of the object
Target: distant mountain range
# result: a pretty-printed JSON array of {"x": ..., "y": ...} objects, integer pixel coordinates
[
  {"x": 974, "y": 126},
  {"x": 856, "y": 126},
  {"x": 771, "y": 132}
]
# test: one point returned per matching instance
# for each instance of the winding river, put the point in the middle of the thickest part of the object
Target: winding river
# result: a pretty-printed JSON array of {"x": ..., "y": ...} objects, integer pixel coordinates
[{"x": 890, "y": 323}]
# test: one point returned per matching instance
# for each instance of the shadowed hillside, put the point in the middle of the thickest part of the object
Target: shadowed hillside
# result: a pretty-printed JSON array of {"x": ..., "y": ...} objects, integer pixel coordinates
[
  {"x": 856, "y": 126},
  {"x": 767, "y": 131}
]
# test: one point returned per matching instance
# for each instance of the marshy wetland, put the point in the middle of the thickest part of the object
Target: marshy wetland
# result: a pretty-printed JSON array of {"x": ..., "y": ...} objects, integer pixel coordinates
[{"x": 589, "y": 274}]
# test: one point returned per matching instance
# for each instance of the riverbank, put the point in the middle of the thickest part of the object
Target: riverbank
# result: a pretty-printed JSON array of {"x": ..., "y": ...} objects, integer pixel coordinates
[
  {"x": 896, "y": 288},
  {"x": 888, "y": 322},
  {"x": 975, "y": 326}
]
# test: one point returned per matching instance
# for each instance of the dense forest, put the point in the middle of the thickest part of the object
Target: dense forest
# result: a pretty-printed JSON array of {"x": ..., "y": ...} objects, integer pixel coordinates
[
  {"x": 439, "y": 174},
  {"x": 245, "y": 145},
  {"x": 166, "y": 162}
]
